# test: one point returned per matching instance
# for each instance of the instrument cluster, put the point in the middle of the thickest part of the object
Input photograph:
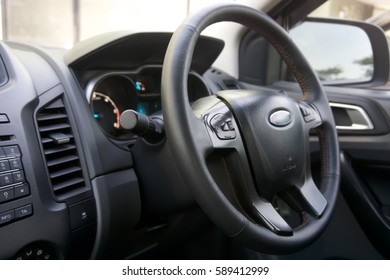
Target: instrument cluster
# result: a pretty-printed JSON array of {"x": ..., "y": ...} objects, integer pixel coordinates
[{"x": 111, "y": 93}]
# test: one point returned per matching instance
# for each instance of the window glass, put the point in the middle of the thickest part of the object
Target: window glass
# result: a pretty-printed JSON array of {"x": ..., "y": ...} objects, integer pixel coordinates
[
  {"x": 62, "y": 23},
  {"x": 351, "y": 9},
  {"x": 107, "y": 15},
  {"x": 338, "y": 53},
  {"x": 341, "y": 53},
  {"x": 33, "y": 21}
]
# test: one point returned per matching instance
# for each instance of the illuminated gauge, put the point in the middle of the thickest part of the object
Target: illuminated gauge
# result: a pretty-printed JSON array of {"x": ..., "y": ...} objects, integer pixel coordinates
[
  {"x": 140, "y": 86},
  {"x": 109, "y": 95},
  {"x": 105, "y": 112}
]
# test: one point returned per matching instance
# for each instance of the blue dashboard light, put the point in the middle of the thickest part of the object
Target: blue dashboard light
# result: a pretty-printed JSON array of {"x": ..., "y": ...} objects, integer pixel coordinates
[
  {"x": 96, "y": 116},
  {"x": 140, "y": 86},
  {"x": 141, "y": 109}
]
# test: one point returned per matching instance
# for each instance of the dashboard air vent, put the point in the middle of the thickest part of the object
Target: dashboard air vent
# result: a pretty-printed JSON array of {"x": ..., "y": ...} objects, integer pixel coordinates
[
  {"x": 59, "y": 148},
  {"x": 230, "y": 84}
]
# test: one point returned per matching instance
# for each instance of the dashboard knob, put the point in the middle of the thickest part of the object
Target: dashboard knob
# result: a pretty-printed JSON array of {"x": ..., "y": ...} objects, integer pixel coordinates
[{"x": 139, "y": 124}]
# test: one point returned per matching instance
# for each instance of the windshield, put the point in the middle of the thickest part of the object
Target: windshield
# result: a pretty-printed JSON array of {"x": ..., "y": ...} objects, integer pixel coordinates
[{"x": 62, "y": 23}]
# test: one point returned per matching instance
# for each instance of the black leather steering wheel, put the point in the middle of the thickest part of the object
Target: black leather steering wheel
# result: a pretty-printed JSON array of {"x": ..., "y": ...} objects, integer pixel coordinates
[{"x": 244, "y": 153}]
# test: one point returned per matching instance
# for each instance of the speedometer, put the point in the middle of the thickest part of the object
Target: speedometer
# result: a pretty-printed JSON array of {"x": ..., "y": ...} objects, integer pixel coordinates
[
  {"x": 111, "y": 93},
  {"x": 108, "y": 96},
  {"x": 105, "y": 112}
]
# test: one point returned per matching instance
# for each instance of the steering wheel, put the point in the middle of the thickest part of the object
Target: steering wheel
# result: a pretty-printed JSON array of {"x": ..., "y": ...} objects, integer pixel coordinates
[{"x": 245, "y": 154}]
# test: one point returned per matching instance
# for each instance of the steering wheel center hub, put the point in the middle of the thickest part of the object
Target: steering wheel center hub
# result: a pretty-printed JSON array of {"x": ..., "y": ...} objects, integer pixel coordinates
[{"x": 273, "y": 135}]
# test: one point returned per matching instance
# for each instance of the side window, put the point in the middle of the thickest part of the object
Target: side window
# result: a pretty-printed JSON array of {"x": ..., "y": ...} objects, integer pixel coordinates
[
  {"x": 337, "y": 52},
  {"x": 375, "y": 12}
]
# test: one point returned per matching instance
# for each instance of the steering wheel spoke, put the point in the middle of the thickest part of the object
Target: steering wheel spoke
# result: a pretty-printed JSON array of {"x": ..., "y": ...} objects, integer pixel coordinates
[
  {"x": 266, "y": 212},
  {"x": 312, "y": 197},
  {"x": 305, "y": 195},
  {"x": 307, "y": 198}
]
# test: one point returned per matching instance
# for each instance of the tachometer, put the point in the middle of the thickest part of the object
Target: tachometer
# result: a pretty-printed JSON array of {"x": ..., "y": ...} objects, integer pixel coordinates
[
  {"x": 109, "y": 95},
  {"x": 105, "y": 111}
]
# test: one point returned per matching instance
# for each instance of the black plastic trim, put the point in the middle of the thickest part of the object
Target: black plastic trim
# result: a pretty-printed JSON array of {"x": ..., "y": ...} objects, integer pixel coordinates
[
  {"x": 365, "y": 208},
  {"x": 146, "y": 48},
  {"x": 118, "y": 205}
]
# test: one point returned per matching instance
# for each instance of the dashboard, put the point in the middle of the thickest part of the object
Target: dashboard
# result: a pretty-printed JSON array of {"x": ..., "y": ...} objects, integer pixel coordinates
[{"x": 70, "y": 175}]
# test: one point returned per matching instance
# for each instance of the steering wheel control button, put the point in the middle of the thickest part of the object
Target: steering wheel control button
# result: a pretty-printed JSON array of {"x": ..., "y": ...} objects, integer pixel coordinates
[
  {"x": 22, "y": 190},
  {"x": 23, "y": 212},
  {"x": 4, "y": 118},
  {"x": 223, "y": 127},
  {"x": 7, "y": 217},
  {"x": 280, "y": 118},
  {"x": 230, "y": 125},
  {"x": 308, "y": 112}
]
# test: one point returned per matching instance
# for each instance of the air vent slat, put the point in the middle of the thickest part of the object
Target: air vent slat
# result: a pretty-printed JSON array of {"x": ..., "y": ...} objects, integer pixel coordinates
[
  {"x": 65, "y": 171},
  {"x": 70, "y": 192},
  {"x": 61, "y": 160},
  {"x": 60, "y": 150},
  {"x": 67, "y": 184},
  {"x": 50, "y": 117},
  {"x": 54, "y": 127}
]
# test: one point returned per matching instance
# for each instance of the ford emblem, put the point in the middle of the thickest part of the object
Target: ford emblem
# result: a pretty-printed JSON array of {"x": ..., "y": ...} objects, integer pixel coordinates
[{"x": 280, "y": 118}]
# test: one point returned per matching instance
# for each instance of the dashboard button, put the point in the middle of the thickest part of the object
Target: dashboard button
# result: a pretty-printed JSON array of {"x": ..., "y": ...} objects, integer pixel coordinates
[
  {"x": 7, "y": 217},
  {"x": 12, "y": 151},
  {"x": 22, "y": 190},
  {"x": 18, "y": 176},
  {"x": 6, "y": 179},
  {"x": 7, "y": 194},
  {"x": 82, "y": 213},
  {"x": 4, "y": 165},
  {"x": 4, "y": 118},
  {"x": 2, "y": 154},
  {"x": 15, "y": 163},
  {"x": 23, "y": 211}
]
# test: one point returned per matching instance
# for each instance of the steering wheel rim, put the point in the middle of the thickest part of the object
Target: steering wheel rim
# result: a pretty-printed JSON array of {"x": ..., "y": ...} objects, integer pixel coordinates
[{"x": 189, "y": 133}]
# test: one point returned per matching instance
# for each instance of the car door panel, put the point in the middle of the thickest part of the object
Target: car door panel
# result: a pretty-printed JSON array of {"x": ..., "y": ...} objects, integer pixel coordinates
[
  {"x": 365, "y": 166},
  {"x": 366, "y": 161}
]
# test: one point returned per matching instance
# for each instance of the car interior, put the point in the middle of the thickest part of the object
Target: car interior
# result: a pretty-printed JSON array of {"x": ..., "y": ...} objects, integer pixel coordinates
[{"x": 268, "y": 139}]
